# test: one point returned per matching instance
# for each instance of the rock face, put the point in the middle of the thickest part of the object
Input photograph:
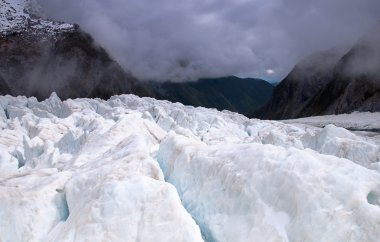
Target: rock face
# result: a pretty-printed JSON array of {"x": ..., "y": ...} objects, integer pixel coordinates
[
  {"x": 330, "y": 83},
  {"x": 4, "y": 89},
  {"x": 39, "y": 56}
]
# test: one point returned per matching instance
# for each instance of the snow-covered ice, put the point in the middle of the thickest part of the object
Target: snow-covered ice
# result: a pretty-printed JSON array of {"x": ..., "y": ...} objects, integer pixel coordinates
[
  {"x": 138, "y": 169},
  {"x": 355, "y": 120}
]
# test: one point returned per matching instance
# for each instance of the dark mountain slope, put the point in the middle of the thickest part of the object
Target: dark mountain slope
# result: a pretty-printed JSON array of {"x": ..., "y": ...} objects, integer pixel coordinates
[
  {"x": 332, "y": 84},
  {"x": 231, "y": 93},
  {"x": 39, "y": 56},
  {"x": 70, "y": 64},
  {"x": 4, "y": 89},
  {"x": 292, "y": 94}
]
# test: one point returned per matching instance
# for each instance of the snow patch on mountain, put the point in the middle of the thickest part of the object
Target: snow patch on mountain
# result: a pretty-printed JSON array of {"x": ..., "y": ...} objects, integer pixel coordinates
[
  {"x": 138, "y": 169},
  {"x": 17, "y": 16}
]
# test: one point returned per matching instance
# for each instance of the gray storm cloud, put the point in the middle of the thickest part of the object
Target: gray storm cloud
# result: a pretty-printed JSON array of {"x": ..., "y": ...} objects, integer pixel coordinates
[{"x": 185, "y": 40}]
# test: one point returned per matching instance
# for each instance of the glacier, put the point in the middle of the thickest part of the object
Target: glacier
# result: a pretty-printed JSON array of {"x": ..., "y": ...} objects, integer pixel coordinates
[
  {"x": 139, "y": 169},
  {"x": 354, "y": 121}
]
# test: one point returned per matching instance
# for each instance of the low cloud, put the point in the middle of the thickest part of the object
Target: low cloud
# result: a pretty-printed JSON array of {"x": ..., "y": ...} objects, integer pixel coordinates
[{"x": 185, "y": 40}]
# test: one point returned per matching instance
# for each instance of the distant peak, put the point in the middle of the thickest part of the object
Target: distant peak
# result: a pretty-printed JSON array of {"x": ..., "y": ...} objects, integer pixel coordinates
[{"x": 17, "y": 16}]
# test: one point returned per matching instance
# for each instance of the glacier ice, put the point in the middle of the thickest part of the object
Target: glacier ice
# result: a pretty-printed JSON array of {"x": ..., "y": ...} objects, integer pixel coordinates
[
  {"x": 267, "y": 193},
  {"x": 355, "y": 120},
  {"x": 138, "y": 169}
]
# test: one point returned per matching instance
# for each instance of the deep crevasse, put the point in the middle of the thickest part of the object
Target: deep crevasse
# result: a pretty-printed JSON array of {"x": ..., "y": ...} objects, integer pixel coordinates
[{"x": 88, "y": 171}]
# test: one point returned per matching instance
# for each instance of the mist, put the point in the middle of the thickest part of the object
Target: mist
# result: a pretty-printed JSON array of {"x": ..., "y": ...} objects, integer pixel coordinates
[
  {"x": 185, "y": 40},
  {"x": 364, "y": 59}
]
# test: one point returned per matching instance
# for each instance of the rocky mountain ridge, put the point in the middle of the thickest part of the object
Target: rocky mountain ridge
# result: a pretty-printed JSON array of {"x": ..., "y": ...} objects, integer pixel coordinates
[
  {"x": 40, "y": 56},
  {"x": 20, "y": 16},
  {"x": 330, "y": 83}
]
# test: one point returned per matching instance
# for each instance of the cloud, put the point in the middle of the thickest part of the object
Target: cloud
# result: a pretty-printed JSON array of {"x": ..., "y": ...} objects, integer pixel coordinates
[{"x": 184, "y": 40}]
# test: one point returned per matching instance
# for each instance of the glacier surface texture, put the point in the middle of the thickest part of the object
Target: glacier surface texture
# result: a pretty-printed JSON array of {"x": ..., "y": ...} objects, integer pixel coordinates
[{"x": 137, "y": 169}]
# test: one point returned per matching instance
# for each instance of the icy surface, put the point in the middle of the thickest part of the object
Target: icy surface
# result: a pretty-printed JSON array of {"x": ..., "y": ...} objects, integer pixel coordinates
[
  {"x": 356, "y": 120},
  {"x": 138, "y": 169}
]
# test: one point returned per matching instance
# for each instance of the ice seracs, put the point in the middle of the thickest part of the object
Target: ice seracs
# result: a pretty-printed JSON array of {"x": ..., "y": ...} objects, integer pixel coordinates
[
  {"x": 138, "y": 169},
  {"x": 269, "y": 193},
  {"x": 86, "y": 178}
]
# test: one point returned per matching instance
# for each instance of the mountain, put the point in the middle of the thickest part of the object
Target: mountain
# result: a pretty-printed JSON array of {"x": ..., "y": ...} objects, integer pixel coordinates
[
  {"x": 39, "y": 56},
  {"x": 330, "y": 82},
  {"x": 142, "y": 170},
  {"x": 292, "y": 94},
  {"x": 232, "y": 93}
]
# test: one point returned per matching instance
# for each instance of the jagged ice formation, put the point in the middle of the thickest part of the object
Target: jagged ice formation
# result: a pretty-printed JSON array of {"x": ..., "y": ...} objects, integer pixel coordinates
[{"x": 138, "y": 169}]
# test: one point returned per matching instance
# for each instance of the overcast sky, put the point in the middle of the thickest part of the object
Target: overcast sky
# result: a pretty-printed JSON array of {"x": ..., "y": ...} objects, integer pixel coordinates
[{"x": 188, "y": 39}]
